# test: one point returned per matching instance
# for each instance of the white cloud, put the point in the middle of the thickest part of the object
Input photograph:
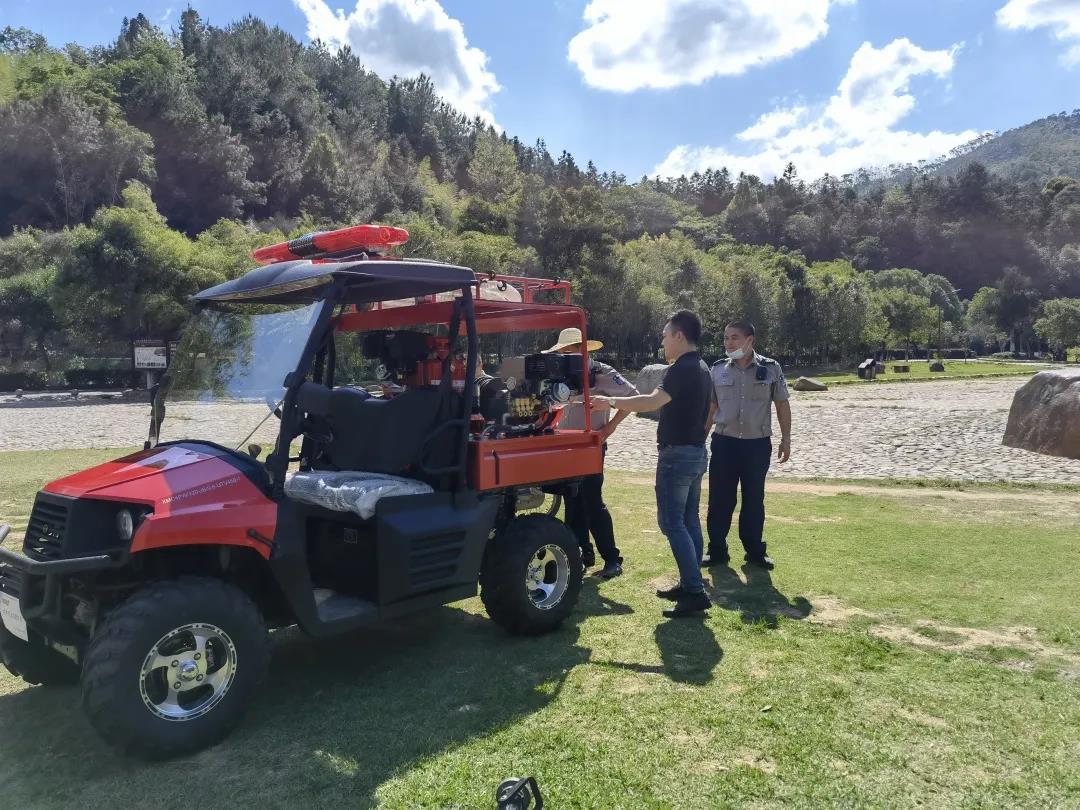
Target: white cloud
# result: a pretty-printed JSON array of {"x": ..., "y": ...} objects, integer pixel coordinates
[
  {"x": 406, "y": 38},
  {"x": 666, "y": 43},
  {"x": 1061, "y": 15},
  {"x": 854, "y": 128},
  {"x": 773, "y": 123}
]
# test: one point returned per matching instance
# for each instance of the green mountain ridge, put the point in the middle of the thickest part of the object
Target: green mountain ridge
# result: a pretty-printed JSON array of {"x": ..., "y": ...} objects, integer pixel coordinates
[{"x": 1030, "y": 154}]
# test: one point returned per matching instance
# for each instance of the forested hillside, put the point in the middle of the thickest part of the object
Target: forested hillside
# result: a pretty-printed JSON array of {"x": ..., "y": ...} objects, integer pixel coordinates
[
  {"x": 135, "y": 174},
  {"x": 1033, "y": 153}
]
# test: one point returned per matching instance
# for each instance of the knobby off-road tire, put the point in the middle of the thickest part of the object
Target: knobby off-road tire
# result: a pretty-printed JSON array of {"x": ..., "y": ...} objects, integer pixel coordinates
[
  {"x": 150, "y": 643},
  {"x": 35, "y": 663},
  {"x": 552, "y": 508},
  {"x": 550, "y": 505},
  {"x": 531, "y": 575}
]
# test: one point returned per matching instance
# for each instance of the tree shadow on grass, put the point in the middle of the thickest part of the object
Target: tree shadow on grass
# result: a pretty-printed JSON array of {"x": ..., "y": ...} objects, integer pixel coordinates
[
  {"x": 757, "y": 600},
  {"x": 336, "y": 720}
]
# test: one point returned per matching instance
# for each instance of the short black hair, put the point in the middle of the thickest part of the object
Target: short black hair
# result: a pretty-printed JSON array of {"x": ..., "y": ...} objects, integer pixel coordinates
[
  {"x": 745, "y": 327},
  {"x": 688, "y": 323}
]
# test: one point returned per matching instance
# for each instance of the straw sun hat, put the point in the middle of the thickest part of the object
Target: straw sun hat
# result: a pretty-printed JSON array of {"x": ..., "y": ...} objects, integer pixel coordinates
[{"x": 572, "y": 337}]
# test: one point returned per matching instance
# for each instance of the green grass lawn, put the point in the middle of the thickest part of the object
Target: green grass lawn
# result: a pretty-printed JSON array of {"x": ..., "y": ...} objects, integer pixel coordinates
[
  {"x": 908, "y": 650},
  {"x": 920, "y": 371}
]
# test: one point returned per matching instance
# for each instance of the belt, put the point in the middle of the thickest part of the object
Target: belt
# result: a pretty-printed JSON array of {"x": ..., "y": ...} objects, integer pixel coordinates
[{"x": 692, "y": 444}]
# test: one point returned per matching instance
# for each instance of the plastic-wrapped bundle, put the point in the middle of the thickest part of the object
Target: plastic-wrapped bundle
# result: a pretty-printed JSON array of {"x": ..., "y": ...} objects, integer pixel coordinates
[{"x": 355, "y": 492}]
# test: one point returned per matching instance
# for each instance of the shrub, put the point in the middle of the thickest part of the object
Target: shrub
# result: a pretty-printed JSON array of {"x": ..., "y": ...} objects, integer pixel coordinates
[
  {"x": 103, "y": 378},
  {"x": 14, "y": 380}
]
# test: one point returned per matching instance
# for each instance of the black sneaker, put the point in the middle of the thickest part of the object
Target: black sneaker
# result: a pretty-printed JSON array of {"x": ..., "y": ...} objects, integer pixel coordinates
[
  {"x": 710, "y": 560},
  {"x": 689, "y": 604},
  {"x": 588, "y": 558},
  {"x": 761, "y": 562},
  {"x": 673, "y": 593},
  {"x": 611, "y": 569}
]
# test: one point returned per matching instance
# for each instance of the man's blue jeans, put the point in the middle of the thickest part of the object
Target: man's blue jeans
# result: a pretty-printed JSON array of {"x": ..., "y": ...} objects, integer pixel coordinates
[{"x": 679, "y": 469}]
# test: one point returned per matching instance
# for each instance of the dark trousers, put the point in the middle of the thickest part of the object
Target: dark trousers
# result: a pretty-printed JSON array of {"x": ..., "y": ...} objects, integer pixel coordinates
[
  {"x": 586, "y": 512},
  {"x": 735, "y": 463}
]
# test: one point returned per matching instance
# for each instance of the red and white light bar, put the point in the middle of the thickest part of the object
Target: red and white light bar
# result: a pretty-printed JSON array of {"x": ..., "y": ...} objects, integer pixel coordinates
[{"x": 359, "y": 238}]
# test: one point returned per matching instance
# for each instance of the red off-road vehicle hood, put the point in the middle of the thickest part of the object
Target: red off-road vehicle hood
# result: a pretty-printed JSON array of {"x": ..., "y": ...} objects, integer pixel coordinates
[
  {"x": 197, "y": 494},
  {"x": 130, "y": 468}
]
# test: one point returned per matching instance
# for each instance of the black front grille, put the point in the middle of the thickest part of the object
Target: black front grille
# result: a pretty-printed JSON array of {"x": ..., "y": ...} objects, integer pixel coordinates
[
  {"x": 47, "y": 527},
  {"x": 11, "y": 580}
]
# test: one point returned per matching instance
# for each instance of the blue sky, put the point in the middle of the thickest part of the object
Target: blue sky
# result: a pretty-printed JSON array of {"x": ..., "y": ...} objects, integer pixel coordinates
[{"x": 676, "y": 85}]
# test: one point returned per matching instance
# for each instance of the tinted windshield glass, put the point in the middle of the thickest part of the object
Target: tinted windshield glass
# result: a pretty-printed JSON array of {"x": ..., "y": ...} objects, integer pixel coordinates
[{"x": 228, "y": 373}]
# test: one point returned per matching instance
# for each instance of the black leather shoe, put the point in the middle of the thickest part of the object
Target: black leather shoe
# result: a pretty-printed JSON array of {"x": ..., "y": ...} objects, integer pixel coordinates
[
  {"x": 588, "y": 558},
  {"x": 689, "y": 604},
  {"x": 673, "y": 593},
  {"x": 708, "y": 561},
  {"x": 761, "y": 562},
  {"x": 611, "y": 569}
]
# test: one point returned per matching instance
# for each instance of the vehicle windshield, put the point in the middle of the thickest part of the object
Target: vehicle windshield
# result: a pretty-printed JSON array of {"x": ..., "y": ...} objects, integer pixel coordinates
[{"x": 227, "y": 375}]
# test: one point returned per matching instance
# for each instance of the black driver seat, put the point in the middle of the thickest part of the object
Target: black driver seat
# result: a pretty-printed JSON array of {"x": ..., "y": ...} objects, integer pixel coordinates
[
  {"x": 379, "y": 435},
  {"x": 356, "y": 431}
]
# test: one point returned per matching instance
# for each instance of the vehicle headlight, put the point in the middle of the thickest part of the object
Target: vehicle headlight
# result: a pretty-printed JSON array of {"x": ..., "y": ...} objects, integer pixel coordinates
[{"x": 125, "y": 524}]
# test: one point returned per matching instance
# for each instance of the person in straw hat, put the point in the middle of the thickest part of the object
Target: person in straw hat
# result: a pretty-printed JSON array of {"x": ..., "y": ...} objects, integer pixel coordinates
[{"x": 585, "y": 509}]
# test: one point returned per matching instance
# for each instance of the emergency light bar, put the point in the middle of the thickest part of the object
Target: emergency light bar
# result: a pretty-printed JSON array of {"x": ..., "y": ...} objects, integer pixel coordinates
[{"x": 323, "y": 244}]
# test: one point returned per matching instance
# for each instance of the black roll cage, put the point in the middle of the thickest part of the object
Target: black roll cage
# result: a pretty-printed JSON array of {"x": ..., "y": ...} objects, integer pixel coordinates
[{"x": 320, "y": 361}]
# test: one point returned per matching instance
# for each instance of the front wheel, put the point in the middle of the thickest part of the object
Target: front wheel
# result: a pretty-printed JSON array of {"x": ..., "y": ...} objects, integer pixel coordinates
[
  {"x": 172, "y": 669},
  {"x": 531, "y": 575},
  {"x": 35, "y": 663}
]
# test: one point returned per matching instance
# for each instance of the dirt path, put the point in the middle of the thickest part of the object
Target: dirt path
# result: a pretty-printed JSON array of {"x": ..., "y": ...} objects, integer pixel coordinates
[{"x": 787, "y": 486}]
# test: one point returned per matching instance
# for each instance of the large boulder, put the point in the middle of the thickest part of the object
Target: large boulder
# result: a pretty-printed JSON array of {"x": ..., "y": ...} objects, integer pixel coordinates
[
  {"x": 1045, "y": 414},
  {"x": 647, "y": 380},
  {"x": 809, "y": 384}
]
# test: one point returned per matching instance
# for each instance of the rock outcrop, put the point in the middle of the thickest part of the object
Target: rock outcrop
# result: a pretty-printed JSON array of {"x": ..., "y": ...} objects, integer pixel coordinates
[
  {"x": 647, "y": 380},
  {"x": 1045, "y": 414},
  {"x": 809, "y": 384}
]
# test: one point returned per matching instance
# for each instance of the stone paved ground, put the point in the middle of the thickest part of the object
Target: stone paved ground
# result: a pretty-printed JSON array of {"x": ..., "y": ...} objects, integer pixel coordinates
[{"x": 934, "y": 430}]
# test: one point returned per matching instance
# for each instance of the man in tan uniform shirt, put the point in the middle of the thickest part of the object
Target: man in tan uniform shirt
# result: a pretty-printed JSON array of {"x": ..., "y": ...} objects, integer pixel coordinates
[{"x": 746, "y": 387}]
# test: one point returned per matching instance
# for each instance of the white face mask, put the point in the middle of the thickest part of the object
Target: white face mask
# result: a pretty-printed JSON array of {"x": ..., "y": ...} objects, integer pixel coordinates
[{"x": 738, "y": 354}]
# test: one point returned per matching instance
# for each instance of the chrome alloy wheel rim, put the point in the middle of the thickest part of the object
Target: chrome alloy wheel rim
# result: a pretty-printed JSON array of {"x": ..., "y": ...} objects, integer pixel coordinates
[
  {"x": 547, "y": 576},
  {"x": 188, "y": 672}
]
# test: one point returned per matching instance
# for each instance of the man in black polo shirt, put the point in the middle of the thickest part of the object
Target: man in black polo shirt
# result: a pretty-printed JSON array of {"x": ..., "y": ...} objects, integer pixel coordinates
[{"x": 683, "y": 397}]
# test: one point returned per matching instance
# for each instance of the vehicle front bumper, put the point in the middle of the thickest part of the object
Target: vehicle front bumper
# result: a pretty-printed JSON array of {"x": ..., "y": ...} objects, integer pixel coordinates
[{"x": 36, "y": 584}]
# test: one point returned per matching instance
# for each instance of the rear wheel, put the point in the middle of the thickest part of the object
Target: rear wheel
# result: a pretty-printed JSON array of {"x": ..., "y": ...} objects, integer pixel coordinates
[
  {"x": 531, "y": 575},
  {"x": 35, "y": 663},
  {"x": 172, "y": 669},
  {"x": 534, "y": 501}
]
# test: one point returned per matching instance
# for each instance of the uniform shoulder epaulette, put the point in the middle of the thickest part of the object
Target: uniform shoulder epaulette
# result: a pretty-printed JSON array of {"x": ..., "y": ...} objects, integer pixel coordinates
[
  {"x": 721, "y": 361},
  {"x": 768, "y": 361}
]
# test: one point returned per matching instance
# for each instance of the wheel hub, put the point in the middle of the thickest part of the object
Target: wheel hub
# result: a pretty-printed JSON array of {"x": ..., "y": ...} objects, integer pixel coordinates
[
  {"x": 188, "y": 672},
  {"x": 547, "y": 577}
]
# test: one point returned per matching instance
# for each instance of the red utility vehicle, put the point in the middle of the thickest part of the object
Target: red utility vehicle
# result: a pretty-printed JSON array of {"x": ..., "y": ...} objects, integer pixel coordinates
[{"x": 153, "y": 579}]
